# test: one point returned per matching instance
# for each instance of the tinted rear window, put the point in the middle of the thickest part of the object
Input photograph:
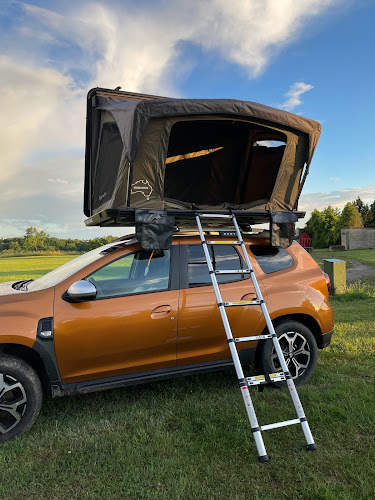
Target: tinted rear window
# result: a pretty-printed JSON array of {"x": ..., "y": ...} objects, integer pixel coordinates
[
  {"x": 222, "y": 257},
  {"x": 271, "y": 259}
]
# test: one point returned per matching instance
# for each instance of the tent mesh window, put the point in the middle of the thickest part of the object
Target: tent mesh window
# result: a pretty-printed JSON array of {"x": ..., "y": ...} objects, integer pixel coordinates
[{"x": 213, "y": 162}]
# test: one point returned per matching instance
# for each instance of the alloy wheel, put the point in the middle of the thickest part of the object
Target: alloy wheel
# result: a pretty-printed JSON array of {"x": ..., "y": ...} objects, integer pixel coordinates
[
  {"x": 13, "y": 402},
  {"x": 296, "y": 351}
]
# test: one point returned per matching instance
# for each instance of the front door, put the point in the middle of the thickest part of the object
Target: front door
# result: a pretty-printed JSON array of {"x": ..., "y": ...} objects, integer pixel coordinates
[{"x": 131, "y": 326}]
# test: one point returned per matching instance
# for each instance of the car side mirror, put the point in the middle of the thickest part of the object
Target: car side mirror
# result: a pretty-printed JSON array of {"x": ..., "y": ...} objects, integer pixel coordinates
[{"x": 81, "y": 291}]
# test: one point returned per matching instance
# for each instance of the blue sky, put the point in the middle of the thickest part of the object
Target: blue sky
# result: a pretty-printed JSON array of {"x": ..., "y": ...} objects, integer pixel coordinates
[{"x": 312, "y": 57}]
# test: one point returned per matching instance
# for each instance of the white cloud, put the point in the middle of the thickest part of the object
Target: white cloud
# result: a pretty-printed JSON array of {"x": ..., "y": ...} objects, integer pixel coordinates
[
  {"x": 137, "y": 46},
  {"x": 337, "y": 198},
  {"x": 293, "y": 95},
  {"x": 59, "y": 181},
  {"x": 41, "y": 110}
]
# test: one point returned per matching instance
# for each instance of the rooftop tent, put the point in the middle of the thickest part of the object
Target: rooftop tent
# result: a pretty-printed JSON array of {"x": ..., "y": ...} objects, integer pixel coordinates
[{"x": 147, "y": 152}]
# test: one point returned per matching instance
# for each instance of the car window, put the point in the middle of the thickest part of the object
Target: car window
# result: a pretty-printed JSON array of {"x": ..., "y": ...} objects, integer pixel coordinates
[
  {"x": 139, "y": 272},
  {"x": 271, "y": 259},
  {"x": 223, "y": 257},
  {"x": 61, "y": 273}
]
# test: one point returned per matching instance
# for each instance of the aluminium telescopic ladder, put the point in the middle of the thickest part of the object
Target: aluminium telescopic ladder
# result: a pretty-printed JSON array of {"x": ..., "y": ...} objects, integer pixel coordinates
[{"x": 245, "y": 382}]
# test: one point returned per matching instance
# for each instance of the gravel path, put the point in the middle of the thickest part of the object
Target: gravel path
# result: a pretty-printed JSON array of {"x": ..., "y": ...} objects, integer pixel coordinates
[{"x": 358, "y": 271}]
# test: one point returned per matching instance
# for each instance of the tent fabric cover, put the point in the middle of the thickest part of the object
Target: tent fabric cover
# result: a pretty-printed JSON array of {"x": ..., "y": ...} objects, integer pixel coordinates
[{"x": 132, "y": 142}]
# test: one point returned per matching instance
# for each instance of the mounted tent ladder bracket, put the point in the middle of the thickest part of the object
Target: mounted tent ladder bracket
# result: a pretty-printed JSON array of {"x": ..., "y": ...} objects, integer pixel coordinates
[{"x": 245, "y": 382}]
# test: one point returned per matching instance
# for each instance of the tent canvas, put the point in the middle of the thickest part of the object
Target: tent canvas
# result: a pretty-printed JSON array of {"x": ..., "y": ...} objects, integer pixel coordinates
[{"x": 147, "y": 152}]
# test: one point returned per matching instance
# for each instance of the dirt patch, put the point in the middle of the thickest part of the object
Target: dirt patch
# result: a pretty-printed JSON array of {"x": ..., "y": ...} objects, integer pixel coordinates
[{"x": 358, "y": 271}]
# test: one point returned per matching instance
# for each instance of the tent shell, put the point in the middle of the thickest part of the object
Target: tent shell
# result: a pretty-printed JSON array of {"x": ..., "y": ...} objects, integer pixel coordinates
[{"x": 145, "y": 125}]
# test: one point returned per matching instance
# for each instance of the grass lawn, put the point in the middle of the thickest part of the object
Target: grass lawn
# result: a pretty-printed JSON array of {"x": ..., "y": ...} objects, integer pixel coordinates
[
  {"x": 20, "y": 268},
  {"x": 189, "y": 438},
  {"x": 366, "y": 256}
]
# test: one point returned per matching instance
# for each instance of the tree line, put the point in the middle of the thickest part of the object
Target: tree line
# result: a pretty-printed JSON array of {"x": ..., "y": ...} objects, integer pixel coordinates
[
  {"x": 36, "y": 240},
  {"x": 325, "y": 226}
]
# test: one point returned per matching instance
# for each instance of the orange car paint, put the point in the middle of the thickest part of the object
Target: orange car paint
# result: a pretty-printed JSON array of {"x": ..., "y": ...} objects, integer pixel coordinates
[{"x": 121, "y": 335}]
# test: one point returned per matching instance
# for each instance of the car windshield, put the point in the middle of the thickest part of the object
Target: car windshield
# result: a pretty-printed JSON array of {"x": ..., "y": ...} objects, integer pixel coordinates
[{"x": 61, "y": 273}]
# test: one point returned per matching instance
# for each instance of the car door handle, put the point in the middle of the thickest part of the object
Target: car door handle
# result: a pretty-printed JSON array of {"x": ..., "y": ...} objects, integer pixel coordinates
[
  {"x": 249, "y": 296},
  {"x": 161, "y": 311}
]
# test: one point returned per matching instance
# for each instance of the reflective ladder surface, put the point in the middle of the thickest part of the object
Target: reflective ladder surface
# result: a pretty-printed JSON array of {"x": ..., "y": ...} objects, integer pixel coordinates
[{"x": 245, "y": 382}]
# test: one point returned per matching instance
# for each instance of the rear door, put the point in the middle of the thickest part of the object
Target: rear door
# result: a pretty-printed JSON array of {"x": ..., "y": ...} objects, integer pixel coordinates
[{"x": 201, "y": 335}]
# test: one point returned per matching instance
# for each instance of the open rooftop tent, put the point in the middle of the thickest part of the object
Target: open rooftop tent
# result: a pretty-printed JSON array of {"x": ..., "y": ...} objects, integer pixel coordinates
[{"x": 184, "y": 155}]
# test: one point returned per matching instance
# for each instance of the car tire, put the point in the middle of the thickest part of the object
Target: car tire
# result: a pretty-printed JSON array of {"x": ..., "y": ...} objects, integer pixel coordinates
[
  {"x": 300, "y": 352},
  {"x": 21, "y": 397}
]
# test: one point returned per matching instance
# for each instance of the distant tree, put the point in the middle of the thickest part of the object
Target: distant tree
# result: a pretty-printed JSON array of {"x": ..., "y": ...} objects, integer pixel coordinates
[
  {"x": 358, "y": 203},
  {"x": 35, "y": 240},
  {"x": 15, "y": 246},
  {"x": 322, "y": 227},
  {"x": 98, "y": 242},
  {"x": 349, "y": 218},
  {"x": 372, "y": 208},
  {"x": 368, "y": 218}
]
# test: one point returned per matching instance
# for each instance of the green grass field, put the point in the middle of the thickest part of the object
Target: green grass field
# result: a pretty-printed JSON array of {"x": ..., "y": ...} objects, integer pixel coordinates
[
  {"x": 189, "y": 438},
  {"x": 20, "y": 268}
]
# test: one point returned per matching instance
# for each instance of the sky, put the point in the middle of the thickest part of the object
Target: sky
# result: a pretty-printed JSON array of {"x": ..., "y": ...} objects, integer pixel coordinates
[{"x": 311, "y": 57}]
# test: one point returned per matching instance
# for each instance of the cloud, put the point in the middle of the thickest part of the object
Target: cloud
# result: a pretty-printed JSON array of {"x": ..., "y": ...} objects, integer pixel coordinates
[
  {"x": 137, "y": 46},
  {"x": 334, "y": 178},
  {"x": 337, "y": 198},
  {"x": 41, "y": 110},
  {"x": 293, "y": 95},
  {"x": 54, "y": 55},
  {"x": 59, "y": 181}
]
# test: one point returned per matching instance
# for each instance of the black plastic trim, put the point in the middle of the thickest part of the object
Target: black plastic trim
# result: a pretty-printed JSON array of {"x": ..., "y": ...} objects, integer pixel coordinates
[
  {"x": 326, "y": 339},
  {"x": 242, "y": 382},
  {"x": 40, "y": 329},
  {"x": 45, "y": 347},
  {"x": 140, "y": 378}
]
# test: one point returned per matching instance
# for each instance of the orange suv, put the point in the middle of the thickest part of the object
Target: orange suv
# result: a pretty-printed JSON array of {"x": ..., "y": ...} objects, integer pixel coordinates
[{"x": 120, "y": 315}]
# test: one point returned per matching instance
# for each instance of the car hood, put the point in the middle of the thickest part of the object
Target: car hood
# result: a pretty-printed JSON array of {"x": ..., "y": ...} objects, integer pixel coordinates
[{"x": 6, "y": 289}]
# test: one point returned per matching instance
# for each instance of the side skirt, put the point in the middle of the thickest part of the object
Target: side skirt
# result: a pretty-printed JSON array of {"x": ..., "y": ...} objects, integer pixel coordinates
[{"x": 137, "y": 378}]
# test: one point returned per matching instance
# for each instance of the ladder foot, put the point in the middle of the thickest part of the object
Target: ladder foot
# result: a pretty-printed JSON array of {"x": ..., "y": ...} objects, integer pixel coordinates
[
  {"x": 311, "y": 447},
  {"x": 263, "y": 459}
]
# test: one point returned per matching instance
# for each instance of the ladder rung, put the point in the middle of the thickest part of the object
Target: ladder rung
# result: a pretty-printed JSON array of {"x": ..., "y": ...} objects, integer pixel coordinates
[
  {"x": 216, "y": 216},
  {"x": 256, "y": 337},
  {"x": 236, "y": 271},
  {"x": 223, "y": 242},
  {"x": 242, "y": 303},
  {"x": 280, "y": 424},
  {"x": 261, "y": 379}
]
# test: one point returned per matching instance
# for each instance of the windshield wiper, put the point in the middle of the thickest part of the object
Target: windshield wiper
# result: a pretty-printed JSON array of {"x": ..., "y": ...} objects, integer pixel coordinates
[{"x": 21, "y": 285}]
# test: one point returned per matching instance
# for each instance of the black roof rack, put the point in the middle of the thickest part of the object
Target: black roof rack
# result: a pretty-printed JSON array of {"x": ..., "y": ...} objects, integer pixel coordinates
[{"x": 186, "y": 218}]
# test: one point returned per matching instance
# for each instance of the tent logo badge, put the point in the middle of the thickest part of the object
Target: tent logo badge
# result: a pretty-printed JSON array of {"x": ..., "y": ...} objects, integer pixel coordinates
[{"x": 143, "y": 187}]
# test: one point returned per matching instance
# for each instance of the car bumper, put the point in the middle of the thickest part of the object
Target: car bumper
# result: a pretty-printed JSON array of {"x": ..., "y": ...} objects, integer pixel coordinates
[{"x": 326, "y": 339}]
